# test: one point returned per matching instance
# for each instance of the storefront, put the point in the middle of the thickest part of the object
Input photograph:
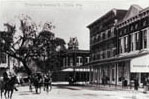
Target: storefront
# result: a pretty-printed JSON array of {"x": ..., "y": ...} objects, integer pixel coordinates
[
  {"x": 139, "y": 67},
  {"x": 125, "y": 68}
]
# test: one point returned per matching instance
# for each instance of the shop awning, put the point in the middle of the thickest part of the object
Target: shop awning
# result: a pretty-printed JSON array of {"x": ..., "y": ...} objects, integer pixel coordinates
[
  {"x": 78, "y": 70},
  {"x": 140, "y": 64}
]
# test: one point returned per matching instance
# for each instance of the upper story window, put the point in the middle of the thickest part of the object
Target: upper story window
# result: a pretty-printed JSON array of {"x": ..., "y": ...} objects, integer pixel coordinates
[
  {"x": 144, "y": 33},
  {"x": 121, "y": 50},
  {"x": 92, "y": 39},
  {"x": 99, "y": 38},
  {"x": 81, "y": 60},
  {"x": 112, "y": 29},
  {"x": 100, "y": 27},
  {"x": 136, "y": 26},
  {"x": 87, "y": 59},
  {"x": 103, "y": 36},
  {"x": 64, "y": 62},
  {"x": 108, "y": 54},
  {"x": 121, "y": 33},
  {"x": 137, "y": 41},
  {"x": 71, "y": 61},
  {"x": 131, "y": 28},
  {"x": 109, "y": 34},
  {"x": 101, "y": 55},
  {"x": 125, "y": 43},
  {"x": 114, "y": 52},
  {"x": 132, "y": 42},
  {"x": 144, "y": 23},
  {"x": 125, "y": 31}
]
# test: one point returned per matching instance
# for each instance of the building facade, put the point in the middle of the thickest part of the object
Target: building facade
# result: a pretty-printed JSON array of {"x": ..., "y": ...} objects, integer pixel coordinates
[
  {"x": 72, "y": 59},
  {"x": 103, "y": 46},
  {"x": 117, "y": 39},
  {"x": 133, "y": 41}
]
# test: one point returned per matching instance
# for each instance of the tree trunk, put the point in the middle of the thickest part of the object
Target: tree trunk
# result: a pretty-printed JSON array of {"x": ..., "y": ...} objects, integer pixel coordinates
[{"x": 29, "y": 72}]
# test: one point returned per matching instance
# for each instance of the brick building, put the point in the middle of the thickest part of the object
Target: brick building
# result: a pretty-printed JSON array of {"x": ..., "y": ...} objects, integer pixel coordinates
[{"x": 117, "y": 40}]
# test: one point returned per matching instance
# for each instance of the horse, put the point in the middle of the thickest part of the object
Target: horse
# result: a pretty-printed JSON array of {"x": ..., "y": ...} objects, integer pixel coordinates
[
  {"x": 47, "y": 83},
  {"x": 9, "y": 87},
  {"x": 37, "y": 82}
]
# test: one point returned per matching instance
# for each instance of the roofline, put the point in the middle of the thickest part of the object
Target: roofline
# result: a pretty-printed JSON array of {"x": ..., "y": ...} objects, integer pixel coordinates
[
  {"x": 104, "y": 15},
  {"x": 141, "y": 11}
]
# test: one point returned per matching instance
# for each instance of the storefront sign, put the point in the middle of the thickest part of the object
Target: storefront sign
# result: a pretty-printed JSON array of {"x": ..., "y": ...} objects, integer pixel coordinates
[{"x": 140, "y": 64}]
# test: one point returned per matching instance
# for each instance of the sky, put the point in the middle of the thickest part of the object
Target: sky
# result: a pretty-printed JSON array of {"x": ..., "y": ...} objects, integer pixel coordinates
[{"x": 70, "y": 17}]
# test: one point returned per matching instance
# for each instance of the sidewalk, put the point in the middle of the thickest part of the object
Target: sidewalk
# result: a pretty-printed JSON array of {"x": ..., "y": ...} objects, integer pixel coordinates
[
  {"x": 111, "y": 87},
  {"x": 98, "y": 87}
]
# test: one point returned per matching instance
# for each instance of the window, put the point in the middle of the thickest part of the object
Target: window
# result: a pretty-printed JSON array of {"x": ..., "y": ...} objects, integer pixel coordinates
[
  {"x": 121, "y": 33},
  {"x": 132, "y": 42},
  {"x": 144, "y": 33},
  {"x": 103, "y": 36},
  {"x": 101, "y": 55},
  {"x": 131, "y": 29},
  {"x": 112, "y": 30},
  {"x": 125, "y": 43},
  {"x": 137, "y": 41},
  {"x": 114, "y": 52},
  {"x": 87, "y": 59},
  {"x": 71, "y": 61},
  {"x": 64, "y": 63},
  {"x": 136, "y": 26},
  {"x": 78, "y": 59},
  {"x": 121, "y": 45},
  {"x": 108, "y": 54},
  {"x": 125, "y": 31},
  {"x": 144, "y": 23},
  {"x": 81, "y": 60},
  {"x": 99, "y": 38},
  {"x": 109, "y": 34}
]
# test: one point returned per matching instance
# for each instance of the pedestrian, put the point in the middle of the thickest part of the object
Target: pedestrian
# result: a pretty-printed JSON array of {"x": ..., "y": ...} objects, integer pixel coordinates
[
  {"x": 145, "y": 85},
  {"x": 47, "y": 82},
  {"x": 136, "y": 84},
  {"x": 30, "y": 81}
]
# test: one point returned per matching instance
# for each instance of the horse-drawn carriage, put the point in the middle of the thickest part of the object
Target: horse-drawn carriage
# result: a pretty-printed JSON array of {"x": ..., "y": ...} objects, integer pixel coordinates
[{"x": 38, "y": 80}]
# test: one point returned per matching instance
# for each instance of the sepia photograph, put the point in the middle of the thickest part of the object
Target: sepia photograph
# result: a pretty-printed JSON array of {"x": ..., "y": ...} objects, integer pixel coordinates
[{"x": 74, "y": 49}]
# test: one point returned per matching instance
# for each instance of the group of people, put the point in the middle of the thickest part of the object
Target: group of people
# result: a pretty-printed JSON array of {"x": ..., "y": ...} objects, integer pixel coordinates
[
  {"x": 135, "y": 83},
  {"x": 38, "y": 80},
  {"x": 7, "y": 78},
  {"x": 7, "y": 84}
]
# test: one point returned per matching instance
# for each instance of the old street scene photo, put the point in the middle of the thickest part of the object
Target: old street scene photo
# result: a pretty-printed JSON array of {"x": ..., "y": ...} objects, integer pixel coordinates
[{"x": 74, "y": 49}]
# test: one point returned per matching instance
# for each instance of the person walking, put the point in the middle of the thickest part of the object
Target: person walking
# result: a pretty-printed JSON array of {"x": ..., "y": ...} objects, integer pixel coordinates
[
  {"x": 136, "y": 84},
  {"x": 47, "y": 83},
  {"x": 145, "y": 85}
]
